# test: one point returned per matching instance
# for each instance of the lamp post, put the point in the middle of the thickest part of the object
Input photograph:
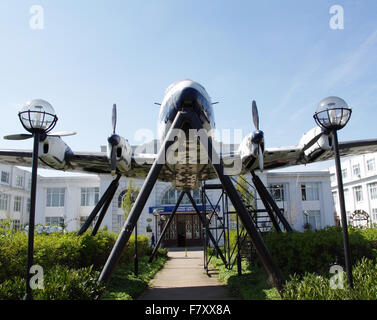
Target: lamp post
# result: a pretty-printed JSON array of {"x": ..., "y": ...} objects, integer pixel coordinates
[
  {"x": 333, "y": 114},
  {"x": 155, "y": 214},
  {"x": 37, "y": 117}
]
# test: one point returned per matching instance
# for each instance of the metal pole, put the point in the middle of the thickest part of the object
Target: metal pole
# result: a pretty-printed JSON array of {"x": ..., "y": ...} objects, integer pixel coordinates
[
  {"x": 138, "y": 207},
  {"x": 166, "y": 226},
  {"x": 105, "y": 207},
  {"x": 262, "y": 251},
  {"x": 98, "y": 206},
  {"x": 239, "y": 271},
  {"x": 347, "y": 251},
  {"x": 33, "y": 193},
  {"x": 136, "y": 259},
  {"x": 265, "y": 196},
  {"x": 208, "y": 231}
]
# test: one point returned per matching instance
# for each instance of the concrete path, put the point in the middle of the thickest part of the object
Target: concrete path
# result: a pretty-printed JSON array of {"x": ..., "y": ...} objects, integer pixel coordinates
[{"x": 184, "y": 278}]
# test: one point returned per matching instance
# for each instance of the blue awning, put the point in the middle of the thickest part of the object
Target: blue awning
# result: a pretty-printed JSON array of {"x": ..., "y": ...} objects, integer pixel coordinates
[{"x": 181, "y": 209}]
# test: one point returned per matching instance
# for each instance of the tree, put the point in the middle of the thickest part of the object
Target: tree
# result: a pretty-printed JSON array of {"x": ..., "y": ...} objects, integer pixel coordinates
[{"x": 129, "y": 198}]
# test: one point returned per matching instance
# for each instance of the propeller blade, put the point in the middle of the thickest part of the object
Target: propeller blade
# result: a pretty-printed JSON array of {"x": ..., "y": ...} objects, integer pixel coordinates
[
  {"x": 62, "y": 134},
  {"x": 255, "y": 115},
  {"x": 113, "y": 160},
  {"x": 260, "y": 158},
  {"x": 21, "y": 136},
  {"x": 114, "y": 117}
]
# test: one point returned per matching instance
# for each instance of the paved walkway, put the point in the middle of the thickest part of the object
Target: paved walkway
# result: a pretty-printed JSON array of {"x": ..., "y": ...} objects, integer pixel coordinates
[{"x": 184, "y": 278}]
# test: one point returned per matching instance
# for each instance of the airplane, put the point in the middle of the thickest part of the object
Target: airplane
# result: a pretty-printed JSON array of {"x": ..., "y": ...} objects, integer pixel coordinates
[
  {"x": 186, "y": 105},
  {"x": 128, "y": 161}
]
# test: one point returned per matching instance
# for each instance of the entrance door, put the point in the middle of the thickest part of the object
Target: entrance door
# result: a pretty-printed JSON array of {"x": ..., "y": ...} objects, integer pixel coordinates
[{"x": 181, "y": 230}]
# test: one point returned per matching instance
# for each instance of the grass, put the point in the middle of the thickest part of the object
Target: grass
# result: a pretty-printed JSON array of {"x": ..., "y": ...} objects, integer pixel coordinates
[
  {"x": 124, "y": 285},
  {"x": 251, "y": 285}
]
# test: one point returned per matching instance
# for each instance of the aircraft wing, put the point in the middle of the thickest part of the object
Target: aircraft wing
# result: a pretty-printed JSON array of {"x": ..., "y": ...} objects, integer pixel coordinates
[
  {"x": 275, "y": 158},
  {"x": 87, "y": 162},
  {"x": 98, "y": 162}
]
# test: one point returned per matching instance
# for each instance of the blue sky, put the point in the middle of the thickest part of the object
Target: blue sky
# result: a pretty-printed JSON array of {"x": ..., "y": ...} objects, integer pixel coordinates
[{"x": 91, "y": 54}]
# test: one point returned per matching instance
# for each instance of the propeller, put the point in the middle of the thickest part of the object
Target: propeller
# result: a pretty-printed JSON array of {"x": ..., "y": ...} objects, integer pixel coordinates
[
  {"x": 113, "y": 140},
  {"x": 258, "y": 135},
  {"x": 24, "y": 136}
]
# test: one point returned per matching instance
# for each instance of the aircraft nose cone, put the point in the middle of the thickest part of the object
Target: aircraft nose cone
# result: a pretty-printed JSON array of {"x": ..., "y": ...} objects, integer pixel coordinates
[{"x": 188, "y": 96}]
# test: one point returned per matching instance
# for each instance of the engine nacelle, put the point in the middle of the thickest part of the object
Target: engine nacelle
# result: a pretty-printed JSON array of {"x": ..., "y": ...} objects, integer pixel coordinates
[
  {"x": 52, "y": 152},
  {"x": 123, "y": 155},
  {"x": 322, "y": 144},
  {"x": 248, "y": 147}
]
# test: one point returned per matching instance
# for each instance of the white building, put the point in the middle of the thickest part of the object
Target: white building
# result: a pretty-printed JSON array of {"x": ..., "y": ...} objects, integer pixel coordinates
[
  {"x": 304, "y": 196},
  {"x": 359, "y": 184},
  {"x": 15, "y": 186}
]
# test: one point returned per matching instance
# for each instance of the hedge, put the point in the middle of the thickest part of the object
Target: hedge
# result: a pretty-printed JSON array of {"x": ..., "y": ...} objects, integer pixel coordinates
[
  {"x": 303, "y": 252},
  {"x": 60, "y": 283},
  {"x": 68, "y": 249}
]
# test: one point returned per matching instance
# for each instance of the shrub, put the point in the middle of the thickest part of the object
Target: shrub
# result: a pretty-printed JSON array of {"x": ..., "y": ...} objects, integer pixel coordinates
[
  {"x": 316, "y": 287},
  {"x": 68, "y": 249},
  {"x": 303, "y": 252},
  {"x": 60, "y": 283}
]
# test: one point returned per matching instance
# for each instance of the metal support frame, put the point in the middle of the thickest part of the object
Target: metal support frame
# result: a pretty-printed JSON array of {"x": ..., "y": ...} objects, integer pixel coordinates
[
  {"x": 192, "y": 119},
  {"x": 270, "y": 204},
  {"x": 103, "y": 203},
  {"x": 223, "y": 226},
  {"x": 166, "y": 227},
  {"x": 203, "y": 219}
]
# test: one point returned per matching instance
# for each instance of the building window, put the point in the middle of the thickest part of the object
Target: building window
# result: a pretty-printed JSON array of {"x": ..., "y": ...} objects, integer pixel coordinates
[
  {"x": 373, "y": 190},
  {"x": 277, "y": 192},
  {"x": 89, "y": 196},
  {"x": 312, "y": 218},
  {"x": 310, "y": 191},
  {"x": 4, "y": 202},
  {"x": 55, "y": 221},
  {"x": 356, "y": 170},
  {"x": 371, "y": 164},
  {"x": 335, "y": 198},
  {"x": 171, "y": 197},
  {"x": 344, "y": 173},
  {"x": 19, "y": 181},
  {"x": 358, "y": 192},
  {"x": 134, "y": 195},
  {"x": 5, "y": 177},
  {"x": 346, "y": 195},
  {"x": 28, "y": 204},
  {"x": 17, "y": 204},
  {"x": 374, "y": 215},
  {"x": 84, "y": 218},
  {"x": 55, "y": 197}
]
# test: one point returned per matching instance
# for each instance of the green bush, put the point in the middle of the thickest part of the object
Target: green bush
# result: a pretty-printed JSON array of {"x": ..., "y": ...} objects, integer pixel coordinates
[
  {"x": 316, "y": 287},
  {"x": 68, "y": 249},
  {"x": 303, "y": 252},
  {"x": 60, "y": 283}
]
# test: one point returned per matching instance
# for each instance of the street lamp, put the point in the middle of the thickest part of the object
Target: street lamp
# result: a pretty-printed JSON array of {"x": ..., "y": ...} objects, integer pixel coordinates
[
  {"x": 37, "y": 117},
  {"x": 155, "y": 214},
  {"x": 333, "y": 114}
]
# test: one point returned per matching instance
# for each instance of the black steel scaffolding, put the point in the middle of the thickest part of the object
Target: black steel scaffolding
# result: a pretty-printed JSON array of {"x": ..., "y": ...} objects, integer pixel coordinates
[{"x": 265, "y": 220}]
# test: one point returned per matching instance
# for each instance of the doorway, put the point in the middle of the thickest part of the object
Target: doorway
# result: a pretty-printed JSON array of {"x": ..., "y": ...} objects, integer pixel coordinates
[{"x": 181, "y": 230}]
